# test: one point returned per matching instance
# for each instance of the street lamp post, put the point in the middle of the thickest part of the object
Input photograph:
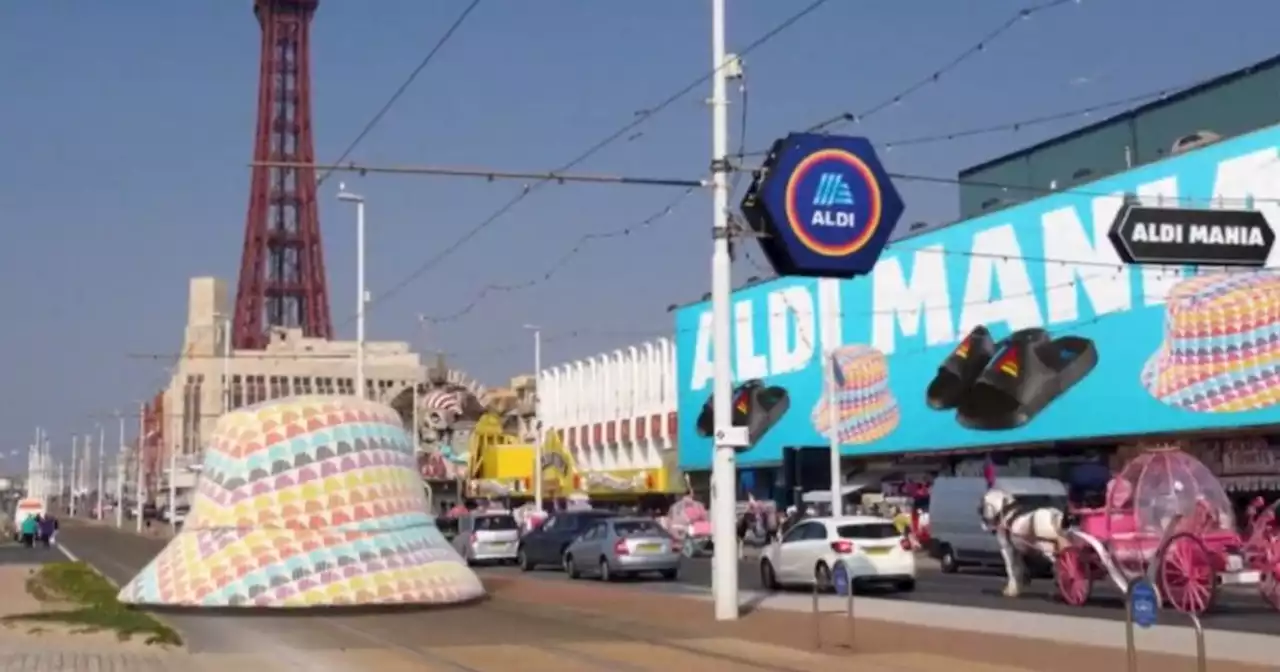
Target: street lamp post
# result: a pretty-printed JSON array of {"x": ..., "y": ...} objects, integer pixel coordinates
[
  {"x": 362, "y": 297},
  {"x": 102, "y": 470},
  {"x": 120, "y": 469},
  {"x": 537, "y": 414}
]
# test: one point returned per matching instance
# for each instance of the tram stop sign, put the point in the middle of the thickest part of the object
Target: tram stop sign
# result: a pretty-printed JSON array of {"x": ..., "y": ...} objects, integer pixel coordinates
[
  {"x": 840, "y": 578},
  {"x": 823, "y": 205},
  {"x": 1142, "y": 603}
]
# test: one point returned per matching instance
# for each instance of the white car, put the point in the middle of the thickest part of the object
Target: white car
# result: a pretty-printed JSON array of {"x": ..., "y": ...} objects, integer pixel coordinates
[{"x": 870, "y": 547}]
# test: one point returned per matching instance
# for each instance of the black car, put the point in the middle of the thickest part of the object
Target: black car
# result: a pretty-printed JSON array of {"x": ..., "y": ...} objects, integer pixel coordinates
[{"x": 545, "y": 545}]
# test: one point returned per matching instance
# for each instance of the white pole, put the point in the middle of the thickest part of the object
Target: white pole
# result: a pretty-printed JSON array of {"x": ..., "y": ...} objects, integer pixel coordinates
[
  {"x": 102, "y": 469},
  {"x": 137, "y": 484},
  {"x": 833, "y": 417},
  {"x": 61, "y": 478},
  {"x": 361, "y": 299},
  {"x": 537, "y": 418},
  {"x": 724, "y": 569},
  {"x": 121, "y": 464},
  {"x": 417, "y": 420},
  {"x": 361, "y": 294},
  {"x": 173, "y": 488},
  {"x": 226, "y": 367},
  {"x": 74, "y": 455}
]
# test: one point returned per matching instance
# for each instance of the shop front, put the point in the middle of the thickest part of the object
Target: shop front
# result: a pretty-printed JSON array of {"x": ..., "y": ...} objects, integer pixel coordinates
[{"x": 1020, "y": 333}]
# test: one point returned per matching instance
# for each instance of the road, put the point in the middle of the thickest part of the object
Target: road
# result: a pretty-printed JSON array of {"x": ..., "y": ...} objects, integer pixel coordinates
[
  {"x": 498, "y": 634},
  {"x": 1237, "y": 609}
]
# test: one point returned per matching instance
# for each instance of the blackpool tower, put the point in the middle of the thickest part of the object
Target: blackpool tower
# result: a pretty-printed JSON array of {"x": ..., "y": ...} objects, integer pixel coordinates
[{"x": 282, "y": 277}]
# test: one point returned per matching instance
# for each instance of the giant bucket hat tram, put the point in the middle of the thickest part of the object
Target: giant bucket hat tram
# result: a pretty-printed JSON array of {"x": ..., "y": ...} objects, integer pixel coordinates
[
  {"x": 866, "y": 409},
  {"x": 1221, "y": 349},
  {"x": 307, "y": 502}
]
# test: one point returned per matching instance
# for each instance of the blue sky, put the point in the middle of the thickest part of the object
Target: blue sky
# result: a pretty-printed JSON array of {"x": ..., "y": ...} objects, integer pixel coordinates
[{"x": 126, "y": 127}]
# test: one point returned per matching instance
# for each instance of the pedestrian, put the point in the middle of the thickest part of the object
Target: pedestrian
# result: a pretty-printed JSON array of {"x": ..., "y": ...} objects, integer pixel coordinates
[
  {"x": 48, "y": 529},
  {"x": 29, "y": 530}
]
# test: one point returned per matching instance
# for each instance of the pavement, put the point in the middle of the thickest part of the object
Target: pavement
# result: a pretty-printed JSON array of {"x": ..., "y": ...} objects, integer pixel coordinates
[{"x": 535, "y": 622}]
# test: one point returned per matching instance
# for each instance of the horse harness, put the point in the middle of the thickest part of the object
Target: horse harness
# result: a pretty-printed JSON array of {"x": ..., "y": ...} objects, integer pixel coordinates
[{"x": 1011, "y": 512}]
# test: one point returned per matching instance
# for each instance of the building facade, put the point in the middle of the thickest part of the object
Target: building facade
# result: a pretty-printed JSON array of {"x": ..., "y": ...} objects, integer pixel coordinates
[
  {"x": 1235, "y": 103},
  {"x": 615, "y": 415},
  {"x": 206, "y": 382}
]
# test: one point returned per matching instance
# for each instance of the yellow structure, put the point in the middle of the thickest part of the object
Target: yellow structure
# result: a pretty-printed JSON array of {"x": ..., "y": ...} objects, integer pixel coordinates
[{"x": 502, "y": 465}]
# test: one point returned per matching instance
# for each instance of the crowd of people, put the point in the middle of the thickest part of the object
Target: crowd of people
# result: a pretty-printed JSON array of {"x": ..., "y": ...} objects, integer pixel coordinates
[{"x": 37, "y": 529}]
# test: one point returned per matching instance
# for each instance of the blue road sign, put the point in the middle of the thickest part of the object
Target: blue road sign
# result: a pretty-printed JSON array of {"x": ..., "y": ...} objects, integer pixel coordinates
[
  {"x": 825, "y": 205},
  {"x": 840, "y": 578},
  {"x": 1142, "y": 603}
]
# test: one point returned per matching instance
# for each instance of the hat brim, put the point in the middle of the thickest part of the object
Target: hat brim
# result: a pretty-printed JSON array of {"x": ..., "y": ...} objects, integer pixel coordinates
[{"x": 302, "y": 568}]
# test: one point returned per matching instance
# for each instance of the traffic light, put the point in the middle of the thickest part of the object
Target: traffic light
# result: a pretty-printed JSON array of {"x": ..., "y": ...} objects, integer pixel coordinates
[{"x": 755, "y": 406}]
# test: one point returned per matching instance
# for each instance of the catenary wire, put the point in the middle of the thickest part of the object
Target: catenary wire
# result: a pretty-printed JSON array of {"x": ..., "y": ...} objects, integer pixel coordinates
[
  {"x": 1106, "y": 271},
  {"x": 404, "y": 86},
  {"x": 946, "y": 68},
  {"x": 622, "y": 133},
  {"x": 579, "y": 246},
  {"x": 1016, "y": 125},
  {"x": 584, "y": 240}
]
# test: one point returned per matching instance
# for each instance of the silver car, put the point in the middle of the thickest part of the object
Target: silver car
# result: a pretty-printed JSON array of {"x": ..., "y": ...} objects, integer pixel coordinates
[
  {"x": 488, "y": 536},
  {"x": 623, "y": 547}
]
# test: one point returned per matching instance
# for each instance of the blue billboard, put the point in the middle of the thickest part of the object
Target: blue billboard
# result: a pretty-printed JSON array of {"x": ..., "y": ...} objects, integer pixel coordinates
[{"x": 1019, "y": 327}]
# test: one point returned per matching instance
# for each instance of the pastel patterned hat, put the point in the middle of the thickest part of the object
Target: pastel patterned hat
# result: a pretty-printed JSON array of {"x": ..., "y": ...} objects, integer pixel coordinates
[
  {"x": 1221, "y": 349},
  {"x": 866, "y": 409},
  {"x": 307, "y": 502}
]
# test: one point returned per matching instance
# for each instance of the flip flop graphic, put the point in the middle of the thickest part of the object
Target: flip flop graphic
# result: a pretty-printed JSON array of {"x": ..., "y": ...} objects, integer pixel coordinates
[
  {"x": 772, "y": 402},
  {"x": 961, "y": 369},
  {"x": 1024, "y": 379}
]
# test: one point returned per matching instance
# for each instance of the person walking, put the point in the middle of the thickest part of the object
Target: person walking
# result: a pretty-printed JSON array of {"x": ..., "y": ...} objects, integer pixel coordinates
[
  {"x": 48, "y": 529},
  {"x": 30, "y": 528}
]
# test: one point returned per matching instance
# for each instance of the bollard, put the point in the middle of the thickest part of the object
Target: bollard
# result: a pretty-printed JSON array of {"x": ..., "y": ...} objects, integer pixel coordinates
[
  {"x": 1201, "y": 660},
  {"x": 848, "y": 615},
  {"x": 817, "y": 619},
  {"x": 1130, "y": 646},
  {"x": 1140, "y": 607}
]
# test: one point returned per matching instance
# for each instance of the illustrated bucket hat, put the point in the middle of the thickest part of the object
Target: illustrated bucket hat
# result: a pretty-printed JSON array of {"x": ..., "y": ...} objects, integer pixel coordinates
[
  {"x": 307, "y": 502},
  {"x": 865, "y": 408},
  {"x": 1221, "y": 348}
]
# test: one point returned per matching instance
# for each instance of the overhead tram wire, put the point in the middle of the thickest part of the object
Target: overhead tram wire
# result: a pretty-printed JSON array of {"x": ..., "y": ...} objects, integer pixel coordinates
[
  {"x": 960, "y": 59},
  {"x": 1114, "y": 268},
  {"x": 581, "y": 244},
  {"x": 489, "y": 174},
  {"x": 1030, "y": 121},
  {"x": 395, "y": 97},
  {"x": 621, "y": 133}
]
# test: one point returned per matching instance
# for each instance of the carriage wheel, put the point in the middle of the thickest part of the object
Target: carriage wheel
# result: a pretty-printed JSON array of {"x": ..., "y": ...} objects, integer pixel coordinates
[
  {"x": 1074, "y": 574},
  {"x": 1270, "y": 585},
  {"x": 1187, "y": 576}
]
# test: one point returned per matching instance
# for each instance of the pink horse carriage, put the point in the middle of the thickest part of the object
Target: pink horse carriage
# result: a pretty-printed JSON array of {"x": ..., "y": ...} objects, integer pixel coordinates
[
  {"x": 1166, "y": 517},
  {"x": 689, "y": 524}
]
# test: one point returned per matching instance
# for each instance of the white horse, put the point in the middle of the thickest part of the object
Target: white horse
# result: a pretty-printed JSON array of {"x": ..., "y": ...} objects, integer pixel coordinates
[{"x": 1019, "y": 530}]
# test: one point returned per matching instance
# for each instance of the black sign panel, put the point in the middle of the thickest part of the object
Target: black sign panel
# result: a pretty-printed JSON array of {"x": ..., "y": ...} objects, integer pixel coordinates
[{"x": 1177, "y": 236}]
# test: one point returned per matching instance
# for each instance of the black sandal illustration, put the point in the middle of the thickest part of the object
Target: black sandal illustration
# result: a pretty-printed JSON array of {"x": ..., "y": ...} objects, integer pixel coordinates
[
  {"x": 961, "y": 369},
  {"x": 1030, "y": 372},
  {"x": 772, "y": 403}
]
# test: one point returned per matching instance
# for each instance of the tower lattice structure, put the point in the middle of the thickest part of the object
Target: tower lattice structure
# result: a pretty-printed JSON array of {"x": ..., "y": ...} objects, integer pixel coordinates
[{"x": 282, "y": 276}]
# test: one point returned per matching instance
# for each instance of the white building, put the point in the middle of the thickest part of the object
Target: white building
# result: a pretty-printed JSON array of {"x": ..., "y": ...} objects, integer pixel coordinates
[
  {"x": 616, "y": 414},
  {"x": 205, "y": 383}
]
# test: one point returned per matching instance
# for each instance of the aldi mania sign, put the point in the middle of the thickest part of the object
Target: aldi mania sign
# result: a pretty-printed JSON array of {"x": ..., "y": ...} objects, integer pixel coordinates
[{"x": 824, "y": 205}]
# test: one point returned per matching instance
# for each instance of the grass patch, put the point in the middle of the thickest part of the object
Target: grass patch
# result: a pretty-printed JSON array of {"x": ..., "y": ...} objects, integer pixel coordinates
[{"x": 92, "y": 604}]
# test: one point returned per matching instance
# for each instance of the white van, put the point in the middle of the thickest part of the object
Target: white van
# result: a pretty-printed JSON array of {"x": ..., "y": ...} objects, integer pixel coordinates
[
  {"x": 956, "y": 537},
  {"x": 26, "y": 507}
]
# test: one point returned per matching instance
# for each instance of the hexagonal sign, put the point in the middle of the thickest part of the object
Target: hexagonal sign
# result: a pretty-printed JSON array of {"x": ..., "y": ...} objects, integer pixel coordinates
[{"x": 824, "y": 205}]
